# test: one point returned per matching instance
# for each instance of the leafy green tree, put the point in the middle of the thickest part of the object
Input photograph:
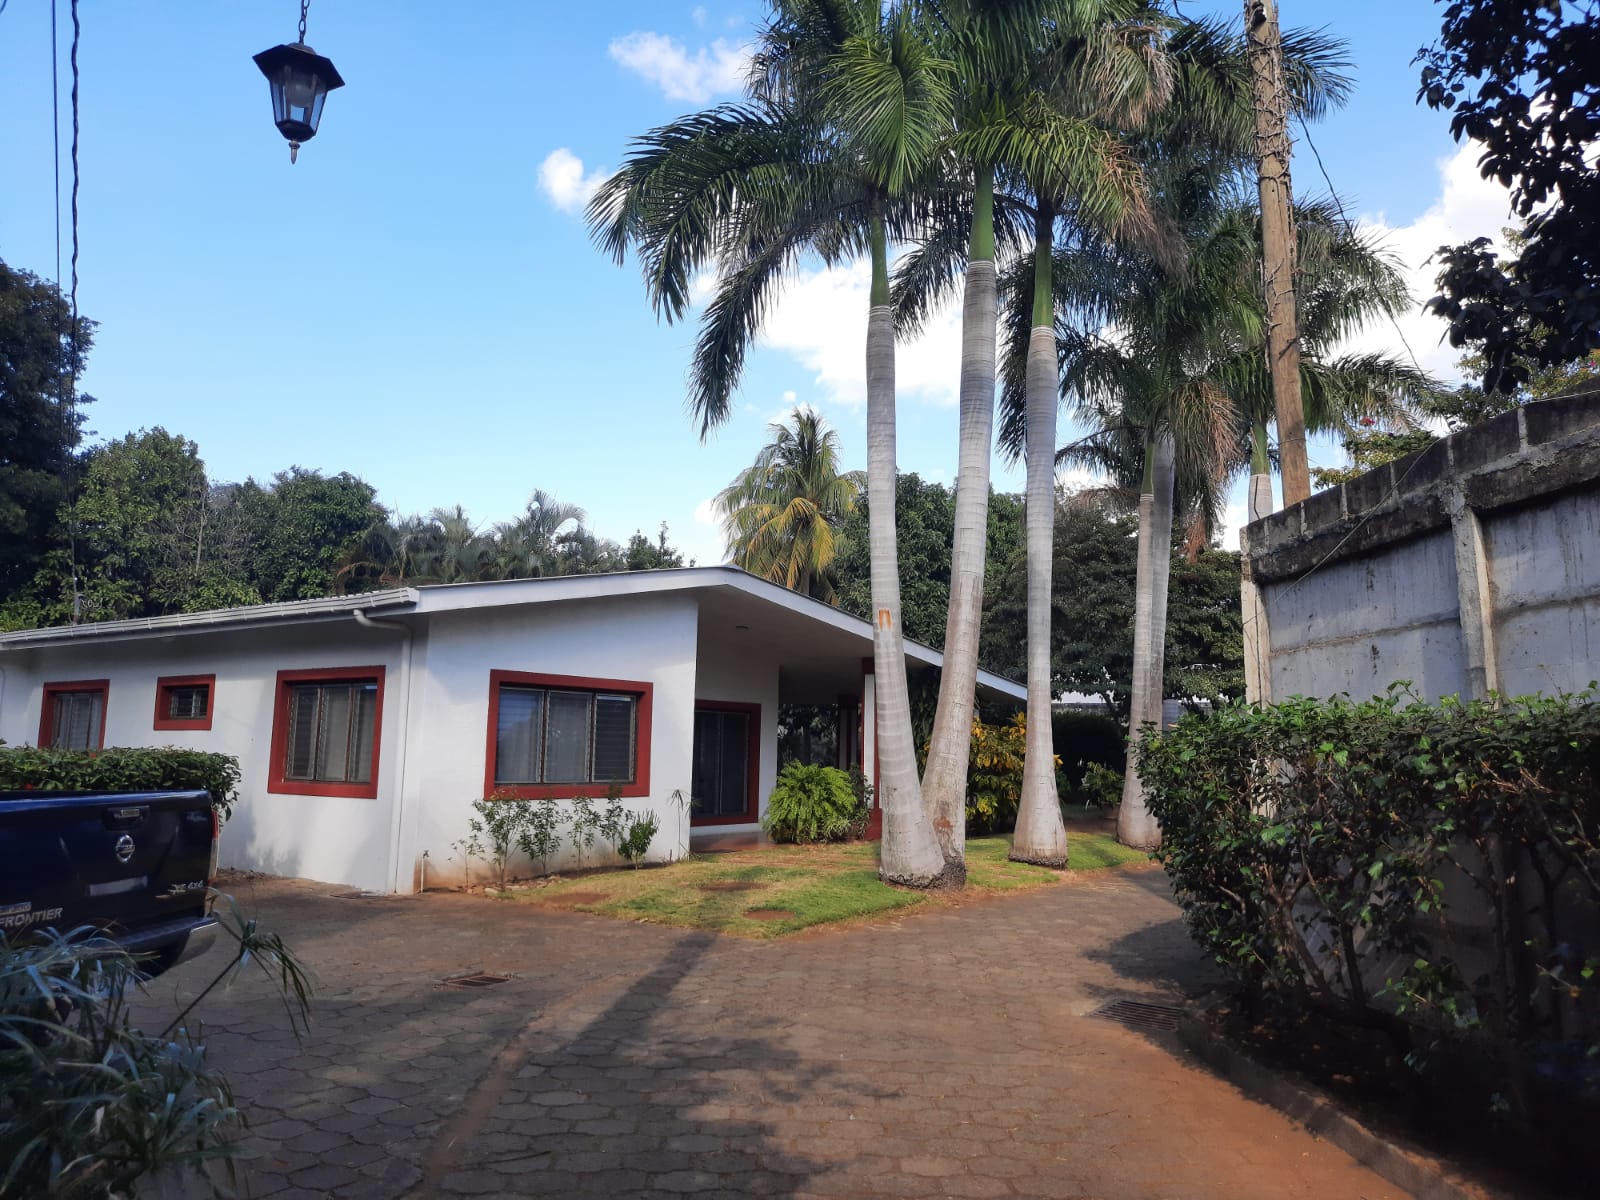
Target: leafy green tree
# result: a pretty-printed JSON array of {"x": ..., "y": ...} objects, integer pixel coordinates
[
  {"x": 39, "y": 430},
  {"x": 300, "y": 528},
  {"x": 1095, "y": 573},
  {"x": 1520, "y": 78},
  {"x": 134, "y": 528},
  {"x": 925, "y": 514},
  {"x": 781, "y": 517},
  {"x": 642, "y": 554}
]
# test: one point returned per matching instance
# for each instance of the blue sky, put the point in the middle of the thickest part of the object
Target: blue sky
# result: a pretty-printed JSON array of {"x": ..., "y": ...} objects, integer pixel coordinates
[{"x": 417, "y": 302}]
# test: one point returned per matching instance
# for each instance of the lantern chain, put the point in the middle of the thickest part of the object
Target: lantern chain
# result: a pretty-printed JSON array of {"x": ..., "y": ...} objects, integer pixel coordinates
[{"x": 304, "y": 4}]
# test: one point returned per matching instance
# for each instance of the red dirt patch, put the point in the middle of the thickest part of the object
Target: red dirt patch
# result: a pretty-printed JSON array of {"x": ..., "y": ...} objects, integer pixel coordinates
[
  {"x": 730, "y": 885},
  {"x": 769, "y": 914}
]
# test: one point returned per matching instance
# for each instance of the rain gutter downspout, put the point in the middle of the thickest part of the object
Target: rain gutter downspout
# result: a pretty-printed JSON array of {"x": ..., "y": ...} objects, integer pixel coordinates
[{"x": 367, "y": 622}]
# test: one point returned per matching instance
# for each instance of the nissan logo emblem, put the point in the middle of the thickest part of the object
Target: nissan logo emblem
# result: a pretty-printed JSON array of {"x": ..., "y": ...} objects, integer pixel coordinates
[{"x": 124, "y": 848}]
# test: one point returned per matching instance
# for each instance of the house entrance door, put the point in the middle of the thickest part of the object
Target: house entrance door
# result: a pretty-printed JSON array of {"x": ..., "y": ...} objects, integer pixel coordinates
[{"x": 723, "y": 788}]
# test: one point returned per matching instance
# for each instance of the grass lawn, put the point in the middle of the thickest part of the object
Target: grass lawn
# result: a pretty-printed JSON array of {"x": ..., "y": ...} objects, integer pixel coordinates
[{"x": 790, "y": 888}]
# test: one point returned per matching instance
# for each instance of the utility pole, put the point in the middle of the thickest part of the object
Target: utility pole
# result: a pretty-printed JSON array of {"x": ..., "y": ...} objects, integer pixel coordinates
[{"x": 1264, "y": 46}]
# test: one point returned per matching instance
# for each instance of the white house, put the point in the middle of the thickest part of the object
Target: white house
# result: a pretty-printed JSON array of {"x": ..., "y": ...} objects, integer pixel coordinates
[{"x": 365, "y": 726}]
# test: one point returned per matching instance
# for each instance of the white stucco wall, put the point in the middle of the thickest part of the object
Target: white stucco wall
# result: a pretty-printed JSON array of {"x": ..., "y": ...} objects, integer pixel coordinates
[
  {"x": 335, "y": 839},
  {"x": 643, "y": 638},
  {"x": 743, "y": 671}
]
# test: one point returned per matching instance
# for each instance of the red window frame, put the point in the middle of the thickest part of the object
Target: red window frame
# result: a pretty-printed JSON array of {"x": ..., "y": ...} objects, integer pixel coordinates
[
  {"x": 276, "y": 782},
  {"x": 562, "y": 791},
  {"x": 167, "y": 683},
  {"x": 752, "y": 809},
  {"x": 47, "y": 708}
]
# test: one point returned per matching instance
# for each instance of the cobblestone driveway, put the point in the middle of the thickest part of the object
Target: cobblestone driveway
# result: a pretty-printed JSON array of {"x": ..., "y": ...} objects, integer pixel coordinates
[{"x": 946, "y": 1053}]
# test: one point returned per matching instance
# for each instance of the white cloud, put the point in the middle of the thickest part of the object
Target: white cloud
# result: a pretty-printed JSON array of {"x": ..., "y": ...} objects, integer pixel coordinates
[
  {"x": 711, "y": 70},
  {"x": 700, "y": 16},
  {"x": 1467, "y": 206},
  {"x": 563, "y": 179},
  {"x": 701, "y": 539},
  {"x": 821, "y": 319}
]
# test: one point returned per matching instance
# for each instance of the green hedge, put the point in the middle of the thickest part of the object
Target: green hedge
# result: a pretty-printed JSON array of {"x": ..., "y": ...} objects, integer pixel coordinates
[
  {"x": 121, "y": 770},
  {"x": 1431, "y": 870}
]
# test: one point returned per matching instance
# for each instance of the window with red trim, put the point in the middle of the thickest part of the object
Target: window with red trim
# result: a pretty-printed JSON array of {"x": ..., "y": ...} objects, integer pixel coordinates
[
  {"x": 184, "y": 701},
  {"x": 557, "y": 735},
  {"x": 325, "y": 732},
  {"x": 73, "y": 716}
]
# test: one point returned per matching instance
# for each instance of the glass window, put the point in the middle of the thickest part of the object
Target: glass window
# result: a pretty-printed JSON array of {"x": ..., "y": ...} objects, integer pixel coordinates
[
  {"x": 76, "y": 719},
  {"x": 188, "y": 702},
  {"x": 562, "y": 735},
  {"x": 331, "y": 729}
]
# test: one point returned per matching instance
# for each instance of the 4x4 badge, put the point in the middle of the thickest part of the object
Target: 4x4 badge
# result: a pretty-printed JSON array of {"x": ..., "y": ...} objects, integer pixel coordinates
[{"x": 124, "y": 848}]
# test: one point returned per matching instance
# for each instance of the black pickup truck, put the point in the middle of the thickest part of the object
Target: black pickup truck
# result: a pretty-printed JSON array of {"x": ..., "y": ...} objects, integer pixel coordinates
[{"x": 137, "y": 867}]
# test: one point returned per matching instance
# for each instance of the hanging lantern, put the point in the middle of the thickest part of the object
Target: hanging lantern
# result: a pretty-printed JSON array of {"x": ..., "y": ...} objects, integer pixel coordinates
[{"x": 300, "y": 80}]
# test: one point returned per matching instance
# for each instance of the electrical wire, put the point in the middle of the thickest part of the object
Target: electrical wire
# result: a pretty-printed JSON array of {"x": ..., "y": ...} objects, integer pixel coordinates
[{"x": 1350, "y": 227}]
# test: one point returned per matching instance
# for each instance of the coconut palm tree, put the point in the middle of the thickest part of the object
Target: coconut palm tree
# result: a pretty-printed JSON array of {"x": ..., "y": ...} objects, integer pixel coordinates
[
  {"x": 781, "y": 516},
  {"x": 827, "y": 160}
]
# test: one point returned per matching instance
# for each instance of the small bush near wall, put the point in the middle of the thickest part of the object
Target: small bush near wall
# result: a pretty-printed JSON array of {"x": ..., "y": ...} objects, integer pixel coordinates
[
  {"x": 1084, "y": 740},
  {"x": 135, "y": 769},
  {"x": 1431, "y": 871},
  {"x": 813, "y": 804}
]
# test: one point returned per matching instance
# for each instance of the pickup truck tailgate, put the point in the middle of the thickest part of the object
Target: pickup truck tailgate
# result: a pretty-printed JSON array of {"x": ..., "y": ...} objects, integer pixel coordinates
[{"x": 124, "y": 863}]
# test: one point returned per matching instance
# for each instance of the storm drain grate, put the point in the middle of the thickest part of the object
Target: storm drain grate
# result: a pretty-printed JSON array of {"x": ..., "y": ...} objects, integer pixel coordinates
[
  {"x": 476, "y": 981},
  {"x": 1137, "y": 1014}
]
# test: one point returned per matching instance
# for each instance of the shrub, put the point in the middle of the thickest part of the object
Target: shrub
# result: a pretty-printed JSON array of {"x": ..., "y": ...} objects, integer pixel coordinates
[
  {"x": 92, "y": 1106},
  {"x": 537, "y": 836},
  {"x": 628, "y": 832},
  {"x": 1101, "y": 787},
  {"x": 1429, "y": 870},
  {"x": 635, "y": 843},
  {"x": 811, "y": 804},
  {"x": 994, "y": 775},
  {"x": 502, "y": 822},
  {"x": 131, "y": 769}
]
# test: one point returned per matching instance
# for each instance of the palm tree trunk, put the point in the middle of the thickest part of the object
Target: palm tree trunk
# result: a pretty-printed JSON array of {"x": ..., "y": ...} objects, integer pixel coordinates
[
  {"x": 1135, "y": 826},
  {"x": 944, "y": 782},
  {"x": 910, "y": 852},
  {"x": 1041, "y": 837}
]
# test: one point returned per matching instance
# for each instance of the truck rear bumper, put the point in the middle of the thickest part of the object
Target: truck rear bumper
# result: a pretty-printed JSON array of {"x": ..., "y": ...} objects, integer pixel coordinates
[{"x": 172, "y": 942}]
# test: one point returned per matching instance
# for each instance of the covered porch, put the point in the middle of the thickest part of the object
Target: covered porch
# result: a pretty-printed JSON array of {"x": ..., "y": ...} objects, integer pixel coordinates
[{"x": 775, "y": 682}]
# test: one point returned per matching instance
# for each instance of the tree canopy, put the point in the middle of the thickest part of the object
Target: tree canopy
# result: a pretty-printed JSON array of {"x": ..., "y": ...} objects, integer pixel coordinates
[
  {"x": 1092, "y": 596},
  {"x": 39, "y": 424},
  {"x": 1522, "y": 78}
]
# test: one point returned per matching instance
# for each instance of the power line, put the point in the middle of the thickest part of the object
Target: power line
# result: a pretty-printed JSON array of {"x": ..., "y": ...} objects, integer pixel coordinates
[{"x": 1350, "y": 227}]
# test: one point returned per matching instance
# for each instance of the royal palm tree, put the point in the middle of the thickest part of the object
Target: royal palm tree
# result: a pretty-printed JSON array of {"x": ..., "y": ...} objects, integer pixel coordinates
[
  {"x": 782, "y": 515},
  {"x": 1169, "y": 372},
  {"x": 996, "y": 46},
  {"x": 826, "y": 161}
]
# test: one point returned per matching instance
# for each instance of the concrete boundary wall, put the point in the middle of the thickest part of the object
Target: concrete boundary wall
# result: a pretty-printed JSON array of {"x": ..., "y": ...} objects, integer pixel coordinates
[{"x": 1472, "y": 566}]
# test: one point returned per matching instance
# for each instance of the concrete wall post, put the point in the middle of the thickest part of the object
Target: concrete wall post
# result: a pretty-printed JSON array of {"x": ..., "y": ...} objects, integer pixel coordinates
[{"x": 1474, "y": 588}]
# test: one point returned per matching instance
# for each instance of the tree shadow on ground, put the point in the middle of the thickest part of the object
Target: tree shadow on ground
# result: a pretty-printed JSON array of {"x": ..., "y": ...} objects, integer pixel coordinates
[{"x": 630, "y": 1096}]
